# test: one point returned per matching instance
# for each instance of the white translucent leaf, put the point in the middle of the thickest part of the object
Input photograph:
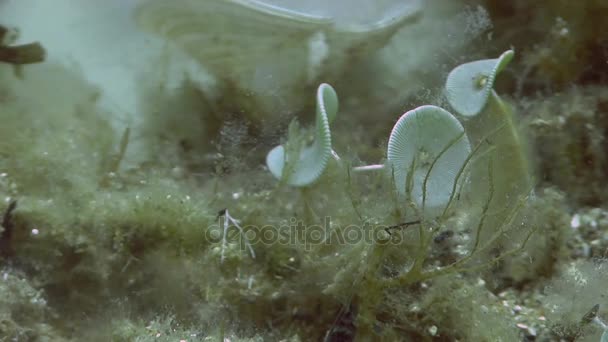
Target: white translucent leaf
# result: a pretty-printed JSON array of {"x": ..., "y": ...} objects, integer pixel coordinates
[
  {"x": 309, "y": 162},
  {"x": 427, "y": 135},
  {"x": 469, "y": 85},
  {"x": 352, "y": 12}
]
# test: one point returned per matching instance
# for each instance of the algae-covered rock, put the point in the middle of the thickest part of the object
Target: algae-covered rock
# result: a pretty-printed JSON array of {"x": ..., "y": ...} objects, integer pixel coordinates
[{"x": 569, "y": 134}]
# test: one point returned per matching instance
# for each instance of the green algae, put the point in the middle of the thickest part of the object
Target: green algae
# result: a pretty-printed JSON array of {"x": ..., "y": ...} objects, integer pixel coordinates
[{"x": 116, "y": 236}]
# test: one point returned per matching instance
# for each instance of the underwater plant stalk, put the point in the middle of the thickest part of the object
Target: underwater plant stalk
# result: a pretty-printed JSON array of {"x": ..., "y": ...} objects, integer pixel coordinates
[
  {"x": 512, "y": 176},
  {"x": 366, "y": 168}
]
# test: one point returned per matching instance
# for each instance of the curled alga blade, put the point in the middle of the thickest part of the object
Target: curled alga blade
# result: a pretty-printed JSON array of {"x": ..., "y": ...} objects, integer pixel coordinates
[{"x": 303, "y": 165}]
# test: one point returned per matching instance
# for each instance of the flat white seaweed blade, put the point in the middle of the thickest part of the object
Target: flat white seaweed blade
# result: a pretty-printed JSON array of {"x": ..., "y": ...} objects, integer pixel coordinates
[
  {"x": 355, "y": 41},
  {"x": 398, "y": 16},
  {"x": 424, "y": 133},
  {"x": 469, "y": 85},
  {"x": 234, "y": 38},
  {"x": 354, "y": 13}
]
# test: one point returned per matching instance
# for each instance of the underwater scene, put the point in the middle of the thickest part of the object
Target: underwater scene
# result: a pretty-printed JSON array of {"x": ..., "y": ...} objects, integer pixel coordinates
[{"x": 285, "y": 170}]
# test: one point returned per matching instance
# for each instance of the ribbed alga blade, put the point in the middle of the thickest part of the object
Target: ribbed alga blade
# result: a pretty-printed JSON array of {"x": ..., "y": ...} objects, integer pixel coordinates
[
  {"x": 304, "y": 166},
  {"x": 428, "y": 146},
  {"x": 469, "y": 86}
]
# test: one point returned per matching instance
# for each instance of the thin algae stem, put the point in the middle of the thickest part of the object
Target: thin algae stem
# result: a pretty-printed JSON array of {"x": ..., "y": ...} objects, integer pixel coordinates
[
  {"x": 428, "y": 173},
  {"x": 464, "y": 167}
]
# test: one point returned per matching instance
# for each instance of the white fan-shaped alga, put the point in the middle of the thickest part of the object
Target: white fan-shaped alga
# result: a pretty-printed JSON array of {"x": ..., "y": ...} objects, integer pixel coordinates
[
  {"x": 427, "y": 153},
  {"x": 470, "y": 85},
  {"x": 303, "y": 165},
  {"x": 427, "y": 145}
]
